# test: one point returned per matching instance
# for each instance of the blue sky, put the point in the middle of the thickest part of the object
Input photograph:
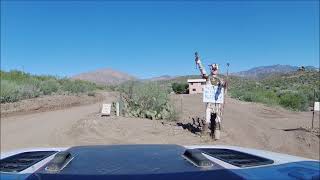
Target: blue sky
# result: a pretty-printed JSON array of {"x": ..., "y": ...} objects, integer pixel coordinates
[{"x": 148, "y": 39}]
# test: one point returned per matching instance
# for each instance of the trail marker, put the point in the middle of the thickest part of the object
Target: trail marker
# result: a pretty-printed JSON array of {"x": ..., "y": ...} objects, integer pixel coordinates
[
  {"x": 106, "y": 110},
  {"x": 213, "y": 94},
  {"x": 316, "y": 106}
]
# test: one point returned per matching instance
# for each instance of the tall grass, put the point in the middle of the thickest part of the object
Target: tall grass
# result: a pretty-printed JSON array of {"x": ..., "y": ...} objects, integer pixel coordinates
[{"x": 18, "y": 85}]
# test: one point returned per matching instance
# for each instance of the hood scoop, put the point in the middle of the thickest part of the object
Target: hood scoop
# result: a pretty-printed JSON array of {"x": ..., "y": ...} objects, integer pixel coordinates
[
  {"x": 60, "y": 161},
  {"x": 196, "y": 157}
]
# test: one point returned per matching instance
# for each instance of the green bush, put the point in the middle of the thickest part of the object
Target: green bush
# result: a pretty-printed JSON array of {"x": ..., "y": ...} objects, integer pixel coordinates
[
  {"x": 9, "y": 91},
  {"x": 293, "y": 91},
  {"x": 146, "y": 100},
  {"x": 180, "y": 88},
  {"x": 18, "y": 85},
  {"x": 91, "y": 94},
  {"x": 50, "y": 86},
  {"x": 28, "y": 91},
  {"x": 294, "y": 101},
  {"x": 255, "y": 95},
  {"x": 77, "y": 86}
]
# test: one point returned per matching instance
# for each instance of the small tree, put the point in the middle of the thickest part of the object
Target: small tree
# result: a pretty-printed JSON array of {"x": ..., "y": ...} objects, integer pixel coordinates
[{"x": 180, "y": 88}]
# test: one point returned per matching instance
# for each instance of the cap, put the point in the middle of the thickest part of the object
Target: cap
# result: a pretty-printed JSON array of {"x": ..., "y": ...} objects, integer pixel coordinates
[{"x": 214, "y": 66}]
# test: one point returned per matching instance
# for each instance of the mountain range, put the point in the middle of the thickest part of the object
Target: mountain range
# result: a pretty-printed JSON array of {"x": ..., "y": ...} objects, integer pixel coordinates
[
  {"x": 105, "y": 76},
  {"x": 109, "y": 76},
  {"x": 266, "y": 71}
]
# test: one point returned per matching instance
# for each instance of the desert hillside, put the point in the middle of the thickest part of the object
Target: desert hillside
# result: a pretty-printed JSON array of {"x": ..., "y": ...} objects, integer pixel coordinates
[
  {"x": 262, "y": 72},
  {"x": 105, "y": 76}
]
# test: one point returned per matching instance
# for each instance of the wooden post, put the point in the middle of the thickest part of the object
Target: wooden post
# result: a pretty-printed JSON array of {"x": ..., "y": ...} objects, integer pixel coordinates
[
  {"x": 226, "y": 87},
  {"x": 118, "y": 108},
  {"x": 181, "y": 106},
  {"x": 312, "y": 119}
]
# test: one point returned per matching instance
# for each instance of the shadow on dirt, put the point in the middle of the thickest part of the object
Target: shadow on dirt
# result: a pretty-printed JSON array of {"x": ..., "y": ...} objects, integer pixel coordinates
[
  {"x": 195, "y": 127},
  {"x": 296, "y": 129},
  {"x": 314, "y": 131}
]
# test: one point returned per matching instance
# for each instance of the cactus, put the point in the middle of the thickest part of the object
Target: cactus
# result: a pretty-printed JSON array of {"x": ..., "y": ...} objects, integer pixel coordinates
[{"x": 146, "y": 100}]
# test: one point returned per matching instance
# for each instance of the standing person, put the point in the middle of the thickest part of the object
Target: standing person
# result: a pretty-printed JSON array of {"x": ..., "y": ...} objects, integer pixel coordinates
[{"x": 212, "y": 109}]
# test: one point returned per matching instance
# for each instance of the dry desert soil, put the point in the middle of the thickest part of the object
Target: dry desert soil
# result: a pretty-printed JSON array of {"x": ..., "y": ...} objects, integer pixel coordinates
[{"x": 245, "y": 124}]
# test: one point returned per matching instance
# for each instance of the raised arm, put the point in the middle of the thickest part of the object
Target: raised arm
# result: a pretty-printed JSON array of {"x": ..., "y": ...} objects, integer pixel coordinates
[{"x": 201, "y": 68}]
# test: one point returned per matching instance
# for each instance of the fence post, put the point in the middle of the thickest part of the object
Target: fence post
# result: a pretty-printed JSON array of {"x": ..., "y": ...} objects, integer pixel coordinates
[{"x": 118, "y": 108}]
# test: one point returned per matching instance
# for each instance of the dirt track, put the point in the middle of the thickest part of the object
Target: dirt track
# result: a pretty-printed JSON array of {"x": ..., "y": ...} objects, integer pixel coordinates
[{"x": 245, "y": 124}]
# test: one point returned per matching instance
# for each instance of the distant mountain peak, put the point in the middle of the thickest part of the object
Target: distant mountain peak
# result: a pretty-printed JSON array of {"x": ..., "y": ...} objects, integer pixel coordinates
[
  {"x": 105, "y": 76},
  {"x": 159, "y": 78}
]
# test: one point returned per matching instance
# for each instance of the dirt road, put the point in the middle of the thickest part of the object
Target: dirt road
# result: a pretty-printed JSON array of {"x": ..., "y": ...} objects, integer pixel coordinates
[{"x": 245, "y": 124}]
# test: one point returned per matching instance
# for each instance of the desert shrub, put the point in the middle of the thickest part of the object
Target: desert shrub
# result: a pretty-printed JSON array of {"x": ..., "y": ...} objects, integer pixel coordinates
[
  {"x": 146, "y": 100},
  {"x": 294, "y": 101},
  {"x": 108, "y": 87},
  {"x": 18, "y": 85},
  {"x": 15, "y": 75},
  {"x": 293, "y": 91},
  {"x": 180, "y": 88},
  {"x": 28, "y": 91},
  {"x": 12, "y": 92},
  {"x": 101, "y": 87},
  {"x": 50, "y": 86},
  {"x": 76, "y": 86},
  {"x": 9, "y": 91},
  {"x": 91, "y": 94},
  {"x": 317, "y": 98},
  {"x": 311, "y": 95},
  {"x": 256, "y": 95}
]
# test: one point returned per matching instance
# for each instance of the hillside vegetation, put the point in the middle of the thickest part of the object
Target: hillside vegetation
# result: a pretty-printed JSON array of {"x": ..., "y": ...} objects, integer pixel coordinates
[
  {"x": 262, "y": 72},
  {"x": 18, "y": 85},
  {"x": 293, "y": 91}
]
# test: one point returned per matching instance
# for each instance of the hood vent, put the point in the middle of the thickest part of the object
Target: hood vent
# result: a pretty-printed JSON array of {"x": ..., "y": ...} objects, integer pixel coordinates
[
  {"x": 22, "y": 161},
  {"x": 236, "y": 158}
]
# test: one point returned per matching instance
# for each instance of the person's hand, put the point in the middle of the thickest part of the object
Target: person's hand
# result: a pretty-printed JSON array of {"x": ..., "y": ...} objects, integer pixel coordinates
[{"x": 197, "y": 59}]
